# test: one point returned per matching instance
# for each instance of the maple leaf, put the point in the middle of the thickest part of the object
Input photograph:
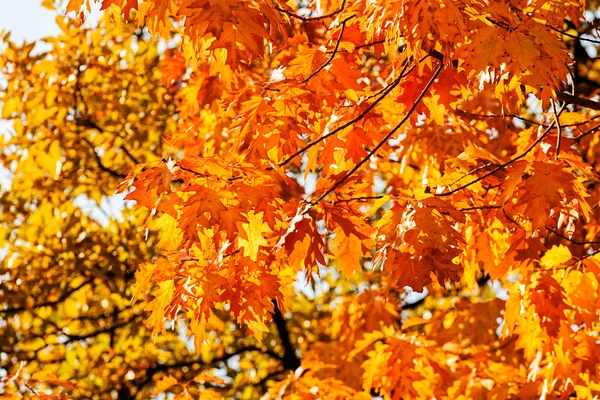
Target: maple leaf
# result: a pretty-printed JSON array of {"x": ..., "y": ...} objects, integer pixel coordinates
[
  {"x": 126, "y": 8},
  {"x": 352, "y": 240},
  {"x": 299, "y": 171},
  {"x": 77, "y": 5},
  {"x": 202, "y": 208},
  {"x": 162, "y": 298},
  {"x": 548, "y": 186},
  {"x": 251, "y": 234},
  {"x": 149, "y": 185},
  {"x": 556, "y": 256},
  {"x": 304, "y": 246},
  {"x": 425, "y": 243},
  {"x": 548, "y": 299}
]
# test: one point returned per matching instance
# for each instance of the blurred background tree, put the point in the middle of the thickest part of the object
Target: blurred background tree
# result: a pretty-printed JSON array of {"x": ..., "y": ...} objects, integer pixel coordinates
[{"x": 97, "y": 103}]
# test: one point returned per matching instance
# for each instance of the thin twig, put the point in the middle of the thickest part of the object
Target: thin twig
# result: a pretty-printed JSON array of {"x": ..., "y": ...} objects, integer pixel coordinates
[
  {"x": 88, "y": 123},
  {"x": 387, "y": 90},
  {"x": 558, "y": 129},
  {"x": 503, "y": 165},
  {"x": 362, "y": 46},
  {"x": 335, "y": 50},
  {"x": 364, "y": 198},
  {"x": 473, "y": 171},
  {"x": 203, "y": 175},
  {"x": 99, "y": 160},
  {"x": 572, "y": 36},
  {"x": 580, "y": 259},
  {"x": 307, "y": 19},
  {"x": 385, "y": 138},
  {"x": 498, "y": 116},
  {"x": 64, "y": 296},
  {"x": 575, "y": 124},
  {"x": 31, "y": 389},
  {"x": 571, "y": 240},
  {"x": 489, "y": 207},
  {"x": 586, "y": 133}
]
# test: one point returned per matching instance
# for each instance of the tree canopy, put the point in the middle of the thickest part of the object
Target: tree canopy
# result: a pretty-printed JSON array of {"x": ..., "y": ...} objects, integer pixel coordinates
[{"x": 328, "y": 199}]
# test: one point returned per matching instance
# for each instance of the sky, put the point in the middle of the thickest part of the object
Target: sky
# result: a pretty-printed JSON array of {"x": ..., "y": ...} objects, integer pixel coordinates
[{"x": 26, "y": 19}]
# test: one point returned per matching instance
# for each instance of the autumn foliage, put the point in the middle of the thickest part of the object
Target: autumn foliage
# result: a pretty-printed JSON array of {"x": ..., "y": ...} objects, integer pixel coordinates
[{"x": 327, "y": 199}]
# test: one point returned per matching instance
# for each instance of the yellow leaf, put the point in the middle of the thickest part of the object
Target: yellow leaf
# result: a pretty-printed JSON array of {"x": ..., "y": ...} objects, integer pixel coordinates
[
  {"x": 349, "y": 250},
  {"x": 567, "y": 118},
  {"x": 437, "y": 111},
  {"x": 49, "y": 4},
  {"x": 50, "y": 377},
  {"x": 162, "y": 298},
  {"x": 555, "y": 257},
  {"x": 50, "y": 160},
  {"x": 254, "y": 230},
  {"x": 163, "y": 385},
  {"x": 206, "y": 376},
  {"x": 71, "y": 308},
  {"x": 76, "y": 5},
  {"x": 11, "y": 105},
  {"x": 351, "y": 94},
  {"x": 377, "y": 205},
  {"x": 142, "y": 280},
  {"x": 170, "y": 235}
]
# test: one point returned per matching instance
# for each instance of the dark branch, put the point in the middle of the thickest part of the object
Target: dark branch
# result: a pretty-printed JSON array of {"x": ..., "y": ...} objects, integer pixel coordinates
[
  {"x": 335, "y": 50},
  {"x": 108, "y": 329},
  {"x": 573, "y": 36},
  {"x": 88, "y": 123},
  {"x": 290, "y": 359},
  {"x": 579, "y": 243},
  {"x": 385, "y": 138},
  {"x": 387, "y": 90},
  {"x": 99, "y": 161},
  {"x": 307, "y": 19},
  {"x": 567, "y": 98},
  {"x": 586, "y": 133},
  {"x": 558, "y": 129},
  {"x": 62, "y": 298},
  {"x": 489, "y": 207},
  {"x": 468, "y": 114},
  {"x": 507, "y": 163}
]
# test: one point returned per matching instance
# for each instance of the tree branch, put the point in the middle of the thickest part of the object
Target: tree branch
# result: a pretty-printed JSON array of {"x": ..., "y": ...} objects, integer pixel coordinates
[
  {"x": 586, "y": 133},
  {"x": 558, "y": 129},
  {"x": 100, "y": 162},
  {"x": 572, "y": 36},
  {"x": 507, "y": 163},
  {"x": 385, "y": 138},
  {"x": 88, "y": 123},
  {"x": 150, "y": 372},
  {"x": 290, "y": 359},
  {"x": 307, "y": 19},
  {"x": 587, "y": 103},
  {"x": 387, "y": 90},
  {"x": 335, "y": 50},
  {"x": 62, "y": 298},
  {"x": 579, "y": 243},
  {"x": 468, "y": 114}
]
